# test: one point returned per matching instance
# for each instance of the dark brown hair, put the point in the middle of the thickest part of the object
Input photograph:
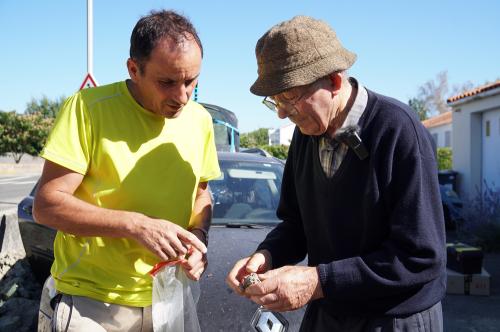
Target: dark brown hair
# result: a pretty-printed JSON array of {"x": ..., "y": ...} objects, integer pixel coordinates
[{"x": 152, "y": 28}]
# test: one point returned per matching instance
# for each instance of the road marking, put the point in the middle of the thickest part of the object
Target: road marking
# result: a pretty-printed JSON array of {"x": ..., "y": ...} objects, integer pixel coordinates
[
  {"x": 16, "y": 177},
  {"x": 23, "y": 182}
]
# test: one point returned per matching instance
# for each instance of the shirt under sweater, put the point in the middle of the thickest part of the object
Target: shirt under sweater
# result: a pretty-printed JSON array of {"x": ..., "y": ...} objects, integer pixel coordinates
[{"x": 375, "y": 230}]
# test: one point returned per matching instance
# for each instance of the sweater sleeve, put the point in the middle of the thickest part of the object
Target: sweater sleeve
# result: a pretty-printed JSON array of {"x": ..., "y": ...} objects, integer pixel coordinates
[
  {"x": 413, "y": 253},
  {"x": 286, "y": 242}
]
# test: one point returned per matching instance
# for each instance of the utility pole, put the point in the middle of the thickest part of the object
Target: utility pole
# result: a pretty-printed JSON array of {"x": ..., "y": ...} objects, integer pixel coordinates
[{"x": 90, "y": 33}]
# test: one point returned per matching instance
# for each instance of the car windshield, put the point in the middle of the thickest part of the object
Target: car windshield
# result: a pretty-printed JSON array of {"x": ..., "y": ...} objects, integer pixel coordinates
[{"x": 246, "y": 192}]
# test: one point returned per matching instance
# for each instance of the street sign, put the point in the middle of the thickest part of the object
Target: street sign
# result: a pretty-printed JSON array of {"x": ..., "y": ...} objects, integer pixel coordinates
[{"x": 88, "y": 82}]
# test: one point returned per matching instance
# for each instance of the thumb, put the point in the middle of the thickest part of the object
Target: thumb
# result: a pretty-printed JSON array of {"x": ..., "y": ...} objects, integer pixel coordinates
[{"x": 254, "y": 263}]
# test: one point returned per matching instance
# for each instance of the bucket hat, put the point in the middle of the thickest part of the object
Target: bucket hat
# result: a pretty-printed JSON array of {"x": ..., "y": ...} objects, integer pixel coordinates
[{"x": 298, "y": 52}]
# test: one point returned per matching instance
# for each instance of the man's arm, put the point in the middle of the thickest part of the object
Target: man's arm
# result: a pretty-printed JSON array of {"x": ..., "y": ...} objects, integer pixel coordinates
[
  {"x": 56, "y": 207},
  {"x": 287, "y": 243},
  {"x": 201, "y": 218},
  {"x": 413, "y": 254}
]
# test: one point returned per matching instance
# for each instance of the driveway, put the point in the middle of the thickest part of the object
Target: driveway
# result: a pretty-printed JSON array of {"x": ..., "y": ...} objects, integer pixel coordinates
[{"x": 476, "y": 313}]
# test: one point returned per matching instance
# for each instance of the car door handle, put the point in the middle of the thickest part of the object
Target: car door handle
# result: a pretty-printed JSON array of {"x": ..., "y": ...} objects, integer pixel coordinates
[{"x": 28, "y": 209}]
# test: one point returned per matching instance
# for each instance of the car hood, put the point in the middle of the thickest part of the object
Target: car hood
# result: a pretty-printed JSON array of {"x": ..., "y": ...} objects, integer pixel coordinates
[{"x": 219, "y": 308}]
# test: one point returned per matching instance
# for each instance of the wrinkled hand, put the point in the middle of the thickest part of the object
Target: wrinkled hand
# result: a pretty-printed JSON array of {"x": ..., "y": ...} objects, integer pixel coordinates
[
  {"x": 287, "y": 288},
  {"x": 194, "y": 265},
  {"x": 259, "y": 262},
  {"x": 164, "y": 238}
]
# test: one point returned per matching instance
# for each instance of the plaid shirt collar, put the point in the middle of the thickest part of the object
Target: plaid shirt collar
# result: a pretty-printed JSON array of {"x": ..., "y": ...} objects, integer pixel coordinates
[{"x": 332, "y": 152}]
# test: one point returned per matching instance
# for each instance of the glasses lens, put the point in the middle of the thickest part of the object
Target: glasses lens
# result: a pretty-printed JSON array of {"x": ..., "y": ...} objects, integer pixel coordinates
[{"x": 270, "y": 105}]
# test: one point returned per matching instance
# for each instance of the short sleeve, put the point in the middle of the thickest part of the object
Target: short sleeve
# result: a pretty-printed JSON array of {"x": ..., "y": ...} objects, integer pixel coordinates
[
  {"x": 210, "y": 169},
  {"x": 70, "y": 141}
]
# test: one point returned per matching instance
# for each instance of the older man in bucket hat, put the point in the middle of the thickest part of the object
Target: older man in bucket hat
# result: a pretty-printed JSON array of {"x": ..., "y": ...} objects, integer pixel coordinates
[{"x": 359, "y": 198}]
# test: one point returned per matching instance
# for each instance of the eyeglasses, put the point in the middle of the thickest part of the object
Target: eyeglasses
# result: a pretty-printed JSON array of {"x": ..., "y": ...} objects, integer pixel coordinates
[{"x": 288, "y": 107}]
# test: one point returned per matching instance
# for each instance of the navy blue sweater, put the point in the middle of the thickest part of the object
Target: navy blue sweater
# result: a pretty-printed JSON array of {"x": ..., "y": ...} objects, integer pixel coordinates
[{"x": 375, "y": 230}]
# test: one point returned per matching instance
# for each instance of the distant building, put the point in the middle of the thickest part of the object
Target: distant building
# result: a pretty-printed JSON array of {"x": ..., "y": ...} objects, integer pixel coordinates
[
  {"x": 476, "y": 138},
  {"x": 282, "y": 135},
  {"x": 440, "y": 128}
]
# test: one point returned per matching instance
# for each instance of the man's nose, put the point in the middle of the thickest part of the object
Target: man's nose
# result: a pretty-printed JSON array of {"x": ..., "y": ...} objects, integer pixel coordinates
[
  {"x": 182, "y": 94},
  {"x": 282, "y": 114}
]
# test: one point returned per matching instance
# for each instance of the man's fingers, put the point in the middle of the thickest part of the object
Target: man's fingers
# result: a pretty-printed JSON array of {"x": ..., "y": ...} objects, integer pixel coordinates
[
  {"x": 168, "y": 251},
  {"x": 269, "y": 274},
  {"x": 266, "y": 299},
  {"x": 180, "y": 248},
  {"x": 255, "y": 262},
  {"x": 233, "y": 277},
  {"x": 262, "y": 288},
  {"x": 278, "y": 306},
  {"x": 194, "y": 274},
  {"x": 194, "y": 259},
  {"x": 190, "y": 238}
]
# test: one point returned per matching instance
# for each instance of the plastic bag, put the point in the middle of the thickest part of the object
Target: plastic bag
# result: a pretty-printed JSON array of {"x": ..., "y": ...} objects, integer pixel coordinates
[{"x": 175, "y": 297}]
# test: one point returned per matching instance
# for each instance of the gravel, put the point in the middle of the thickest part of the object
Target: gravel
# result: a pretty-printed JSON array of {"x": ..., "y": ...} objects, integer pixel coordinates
[{"x": 19, "y": 294}]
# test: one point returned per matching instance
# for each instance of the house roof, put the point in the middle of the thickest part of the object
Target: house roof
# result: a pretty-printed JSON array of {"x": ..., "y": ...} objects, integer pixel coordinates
[
  {"x": 438, "y": 120},
  {"x": 474, "y": 91}
]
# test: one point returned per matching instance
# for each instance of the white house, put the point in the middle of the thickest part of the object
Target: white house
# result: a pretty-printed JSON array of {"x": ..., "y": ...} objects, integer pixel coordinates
[
  {"x": 282, "y": 135},
  {"x": 440, "y": 128},
  {"x": 476, "y": 138}
]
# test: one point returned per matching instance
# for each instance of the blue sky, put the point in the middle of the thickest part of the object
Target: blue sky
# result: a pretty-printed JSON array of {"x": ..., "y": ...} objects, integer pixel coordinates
[{"x": 400, "y": 45}]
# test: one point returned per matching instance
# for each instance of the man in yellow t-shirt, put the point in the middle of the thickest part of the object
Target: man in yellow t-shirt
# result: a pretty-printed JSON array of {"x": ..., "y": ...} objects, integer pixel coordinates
[{"x": 125, "y": 182}]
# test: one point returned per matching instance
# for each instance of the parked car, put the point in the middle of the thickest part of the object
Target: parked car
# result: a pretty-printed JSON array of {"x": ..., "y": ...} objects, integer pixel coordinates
[
  {"x": 452, "y": 206},
  {"x": 245, "y": 198}
]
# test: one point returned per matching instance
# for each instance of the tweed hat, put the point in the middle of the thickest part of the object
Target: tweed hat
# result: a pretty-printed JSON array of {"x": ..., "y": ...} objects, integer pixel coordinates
[{"x": 297, "y": 52}]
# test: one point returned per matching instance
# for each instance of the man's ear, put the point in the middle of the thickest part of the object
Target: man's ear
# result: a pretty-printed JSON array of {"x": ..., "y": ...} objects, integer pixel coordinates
[
  {"x": 336, "y": 82},
  {"x": 133, "y": 69}
]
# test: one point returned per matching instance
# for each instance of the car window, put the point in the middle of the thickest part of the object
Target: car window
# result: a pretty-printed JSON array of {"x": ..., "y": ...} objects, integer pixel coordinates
[{"x": 246, "y": 192}]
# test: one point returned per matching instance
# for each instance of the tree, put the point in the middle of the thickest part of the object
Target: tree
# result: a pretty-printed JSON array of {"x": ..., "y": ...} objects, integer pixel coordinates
[
  {"x": 254, "y": 138},
  {"x": 433, "y": 93},
  {"x": 419, "y": 107},
  {"x": 44, "y": 106},
  {"x": 278, "y": 151},
  {"x": 23, "y": 133}
]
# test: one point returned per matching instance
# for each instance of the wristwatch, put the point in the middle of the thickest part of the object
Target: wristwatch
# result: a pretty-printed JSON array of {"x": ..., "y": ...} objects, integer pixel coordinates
[{"x": 201, "y": 234}]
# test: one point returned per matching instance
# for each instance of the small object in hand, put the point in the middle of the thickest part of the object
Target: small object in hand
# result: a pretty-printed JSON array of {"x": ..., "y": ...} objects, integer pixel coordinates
[{"x": 249, "y": 280}]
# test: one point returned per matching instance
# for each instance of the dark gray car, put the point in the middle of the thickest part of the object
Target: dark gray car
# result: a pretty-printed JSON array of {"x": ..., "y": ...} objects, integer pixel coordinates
[{"x": 245, "y": 198}]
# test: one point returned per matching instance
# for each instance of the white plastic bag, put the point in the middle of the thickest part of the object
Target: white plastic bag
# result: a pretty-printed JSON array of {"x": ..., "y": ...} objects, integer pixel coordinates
[{"x": 174, "y": 299}]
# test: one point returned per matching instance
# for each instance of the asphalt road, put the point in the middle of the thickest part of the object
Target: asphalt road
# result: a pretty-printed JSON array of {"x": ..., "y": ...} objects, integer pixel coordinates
[{"x": 13, "y": 188}]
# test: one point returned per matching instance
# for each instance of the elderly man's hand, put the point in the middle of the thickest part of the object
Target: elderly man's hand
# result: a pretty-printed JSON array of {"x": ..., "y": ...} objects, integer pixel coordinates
[
  {"x": 287, "y": 288},
  {"x": 259, "y": 262}
]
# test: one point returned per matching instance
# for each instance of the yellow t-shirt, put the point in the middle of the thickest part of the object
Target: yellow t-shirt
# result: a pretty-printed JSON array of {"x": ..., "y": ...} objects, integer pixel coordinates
[{"x": 131, "y": 160}]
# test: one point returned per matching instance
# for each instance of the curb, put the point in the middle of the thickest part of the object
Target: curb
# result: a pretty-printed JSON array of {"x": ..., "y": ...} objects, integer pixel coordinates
[{"x": 10, "y": 237}]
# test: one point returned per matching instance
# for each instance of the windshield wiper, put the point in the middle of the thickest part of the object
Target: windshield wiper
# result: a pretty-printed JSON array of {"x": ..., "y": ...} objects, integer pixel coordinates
[{"x": 240, "y": 225}]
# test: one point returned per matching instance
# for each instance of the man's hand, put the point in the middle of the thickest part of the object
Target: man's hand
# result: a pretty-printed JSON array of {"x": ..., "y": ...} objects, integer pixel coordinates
[
  {"x": 287, "y": 288},
  {"x": 165, "y": 239},
  {"x": 194, "y": 265},
  {"x": 259, "y": 262}
]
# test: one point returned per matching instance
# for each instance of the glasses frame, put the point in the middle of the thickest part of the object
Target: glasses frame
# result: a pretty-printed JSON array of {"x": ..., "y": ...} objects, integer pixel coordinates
[{"x": 275, "y": 106}]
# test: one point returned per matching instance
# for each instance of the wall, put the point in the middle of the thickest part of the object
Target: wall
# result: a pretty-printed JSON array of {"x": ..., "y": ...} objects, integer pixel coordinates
[{"x": 467, "y": 140}]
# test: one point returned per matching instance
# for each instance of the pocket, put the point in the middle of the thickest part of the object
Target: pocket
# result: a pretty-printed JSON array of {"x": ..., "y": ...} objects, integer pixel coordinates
[
  {"x": 63, "y": 309},
  {"x": 43, "y": 322}
]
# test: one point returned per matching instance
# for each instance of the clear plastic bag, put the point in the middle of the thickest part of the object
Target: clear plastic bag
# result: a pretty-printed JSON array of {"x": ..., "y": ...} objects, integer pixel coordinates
[{"x": 175, "y": 297}]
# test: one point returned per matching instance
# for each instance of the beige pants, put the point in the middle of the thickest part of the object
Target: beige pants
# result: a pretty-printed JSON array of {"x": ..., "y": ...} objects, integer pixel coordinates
[{"x": 78, "y": 313}]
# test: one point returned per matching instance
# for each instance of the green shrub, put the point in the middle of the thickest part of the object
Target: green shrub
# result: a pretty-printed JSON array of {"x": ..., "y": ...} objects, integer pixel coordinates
[
  {"x": 445, "y": 158},
  {"x": 278, "y": 151},
  {"x": 481, "y": 220}
]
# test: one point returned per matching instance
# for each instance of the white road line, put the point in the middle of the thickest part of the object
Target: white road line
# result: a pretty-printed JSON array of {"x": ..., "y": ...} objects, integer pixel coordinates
[
  {"x": 16, "y": 177},
  {"x": 14, "y": 183}
]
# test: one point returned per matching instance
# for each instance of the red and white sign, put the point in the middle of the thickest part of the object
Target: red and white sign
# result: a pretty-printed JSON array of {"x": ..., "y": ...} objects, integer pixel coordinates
[{"x": 88, "y": 82}]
